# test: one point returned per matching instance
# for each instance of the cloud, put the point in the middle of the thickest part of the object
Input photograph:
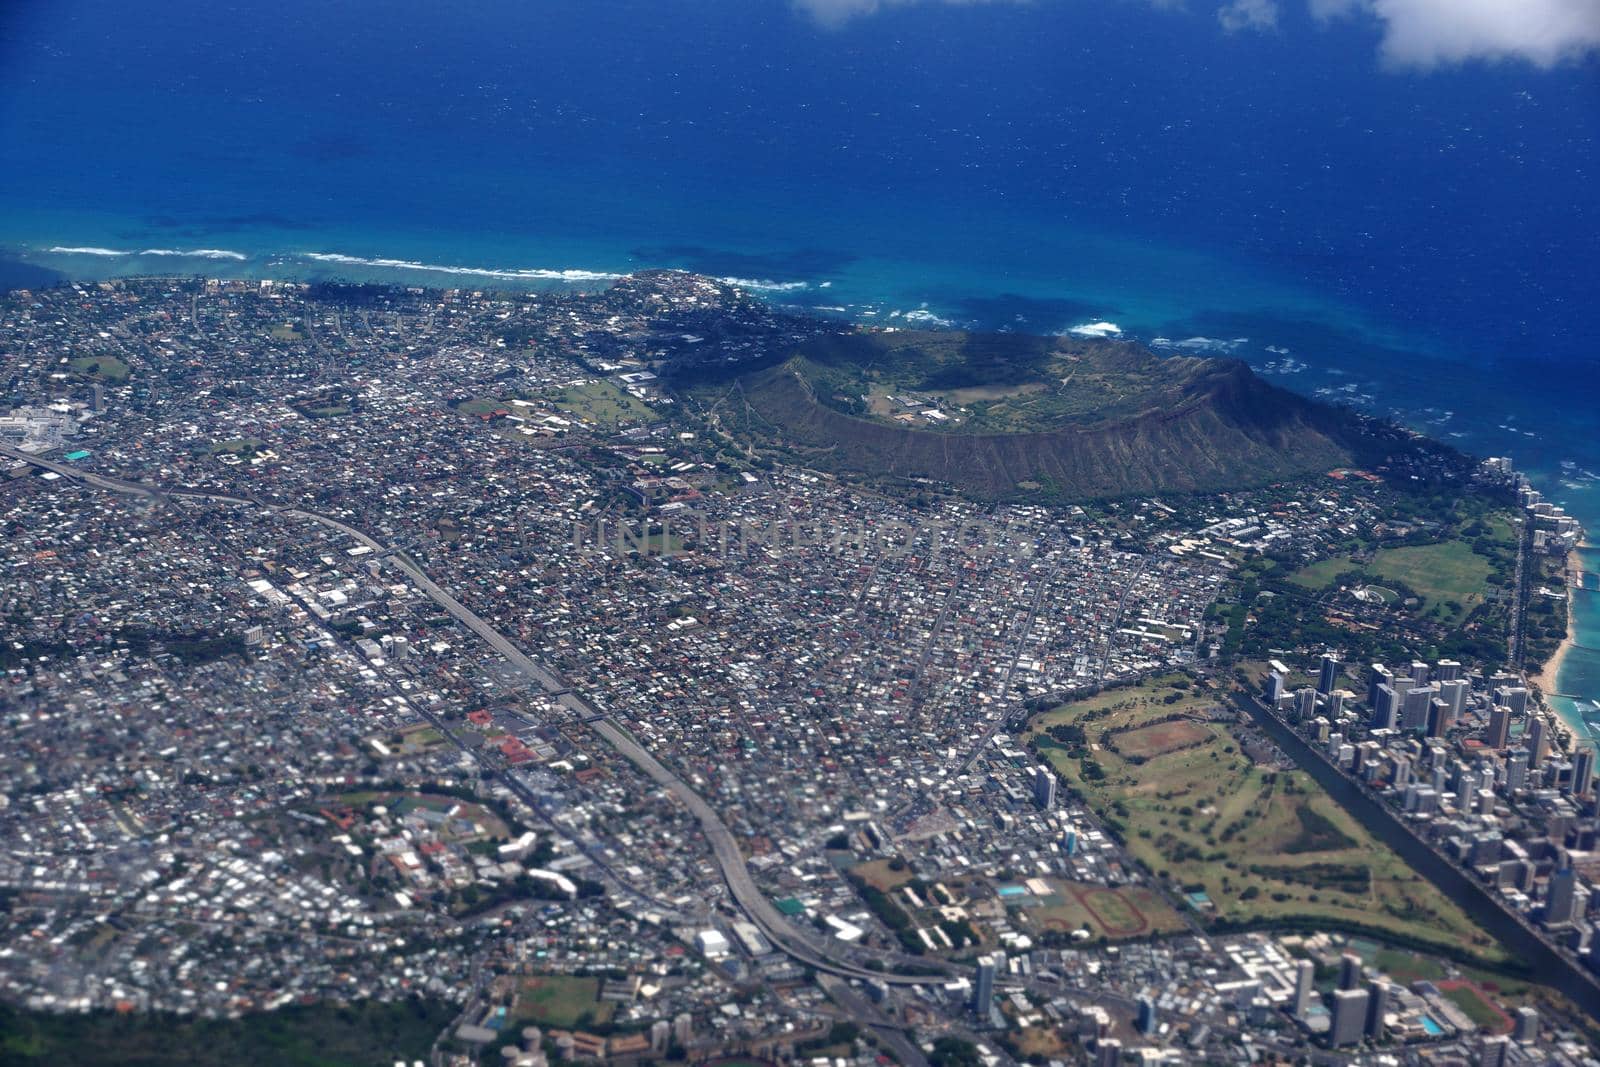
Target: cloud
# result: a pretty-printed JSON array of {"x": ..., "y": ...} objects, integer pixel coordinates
[
  {"x": 1432, "y": 33},
  {"x": 838, "y": 12},
  {"x": 1239, "y": 15},
  {"x": 1416, "y": 33}
]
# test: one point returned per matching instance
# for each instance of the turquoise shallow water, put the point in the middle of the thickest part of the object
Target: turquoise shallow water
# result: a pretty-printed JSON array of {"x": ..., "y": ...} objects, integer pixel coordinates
[{"x": 1580, "y": 671}]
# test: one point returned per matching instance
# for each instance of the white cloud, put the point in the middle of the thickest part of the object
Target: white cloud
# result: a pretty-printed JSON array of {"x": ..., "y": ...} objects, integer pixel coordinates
[
  {"x": 837, "y": 12},
  {"x": 1416, "y": 33},
  {"x": 1431, "y": 33},
  {"x": 1239, "y": 15}
]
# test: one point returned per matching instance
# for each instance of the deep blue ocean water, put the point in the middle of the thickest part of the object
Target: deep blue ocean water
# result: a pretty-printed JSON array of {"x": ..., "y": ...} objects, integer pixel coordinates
[{"x": 1419, "y": 243}]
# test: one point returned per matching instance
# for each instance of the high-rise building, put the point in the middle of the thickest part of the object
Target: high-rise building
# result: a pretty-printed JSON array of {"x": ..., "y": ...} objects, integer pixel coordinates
[
  {"x": 1146, "y": 1020},
  {"x": 1533, "y": 739},
  {"x": 1493, "y": 1051},
  {"x": 1414, "y": 707},
  {"x": 1275, "y": 684},
  {"x": 1402, "y": 771},
  {"x": 1328, "y": 675},
  {"x": 1527, "y": 1026},
  {"x": 1517, "y": 770},
  {"x": 1561, "y": 897},
  {"x": 983, "y": 985},
  {"x": 1385, "y": 708},
  {"x": 1455, "y": 692},
  {"x": 1378, "y": 997},
  {"x": 1378, "y": 675},
  {"x": 1440, "y": 717},
  {"x": 683, "y": 1028},
  {"x": 1349, "y": 971},
  {"x": 1305, "y": 704},
  {"x": 1349, "y": 1017},
  {"x": 1419, "y": 672},
  {"x": 1514, "y": 697},
  {"x": 1305, "y": 974},
  {"x": 1044, "y": 788},
  {"x": 1499, "y": 728},
  {"x": 1108, "y": 1052},
  {"x": 1583, "y": 771},
  {"x": 1446, "y": 670}
]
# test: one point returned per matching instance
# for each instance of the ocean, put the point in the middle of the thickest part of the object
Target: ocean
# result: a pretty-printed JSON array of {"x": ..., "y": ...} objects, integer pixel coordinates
[{"x": 1422, "y": 243}]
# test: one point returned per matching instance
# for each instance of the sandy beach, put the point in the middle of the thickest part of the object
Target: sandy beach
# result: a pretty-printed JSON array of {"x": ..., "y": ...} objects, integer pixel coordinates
[{"x": 1550, "y": 674}]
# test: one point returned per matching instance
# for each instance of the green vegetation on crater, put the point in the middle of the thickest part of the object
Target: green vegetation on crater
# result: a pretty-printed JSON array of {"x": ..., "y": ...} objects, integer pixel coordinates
[
  {"x": 999, "y": 416},
  {"x": 989, "y": 383}
]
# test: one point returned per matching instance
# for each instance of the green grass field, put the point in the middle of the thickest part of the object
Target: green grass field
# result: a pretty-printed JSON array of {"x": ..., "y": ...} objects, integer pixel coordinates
[
  {"x": 602, "y": 405},
  {"x": 1405, "y": 966},
  {"x": 561, "y": 1001},
  {"x": 1264, "y": 844},
  {"x": 1449, "y": 572},
  {"x": 1450, "y": 578},
  {"x": 239, "y": 446},
  {"x": 1321, "y": 575},
  {"x": 105, "y": 368},
  {"x": 1471, "y": 1000},
  {"x": 879, "y": 875}
]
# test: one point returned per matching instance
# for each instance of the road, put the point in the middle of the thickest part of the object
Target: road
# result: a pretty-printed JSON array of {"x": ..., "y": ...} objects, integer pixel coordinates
[
  {"x": 1521, "y": 585},
  {"x": 1011, "y": 671},
  {"x": 867, "y": 1014}
]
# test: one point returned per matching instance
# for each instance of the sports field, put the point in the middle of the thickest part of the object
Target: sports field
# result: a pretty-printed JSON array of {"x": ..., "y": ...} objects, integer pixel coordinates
[
  {"x": 561, "y": 1000},
  {"x": 1160, "y": 738},
  {"x": 1111, "y": 913}
]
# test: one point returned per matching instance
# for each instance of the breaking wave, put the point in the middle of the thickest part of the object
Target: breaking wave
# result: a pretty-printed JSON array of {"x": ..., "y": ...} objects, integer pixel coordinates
[
  {"x": 764, "y": 285},
  {"x": 515, "y": 274},
  {"x": 1198, "y": 344},
  {"x": 186, "y": 253},
  {"x": 1096, "y": 329},
  {"x": 196, "y": 253},
  {"x": 525, "y": 274}
]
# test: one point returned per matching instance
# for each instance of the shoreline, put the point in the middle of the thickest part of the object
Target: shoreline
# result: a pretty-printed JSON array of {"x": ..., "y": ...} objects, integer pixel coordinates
[{"x": 1548, "y": 678}]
